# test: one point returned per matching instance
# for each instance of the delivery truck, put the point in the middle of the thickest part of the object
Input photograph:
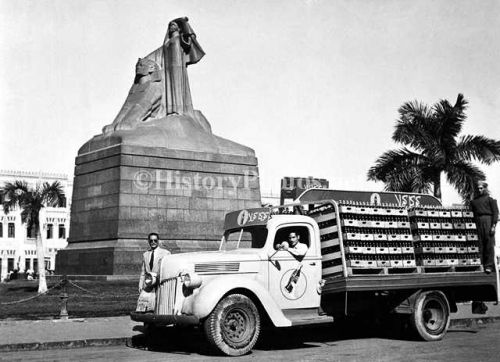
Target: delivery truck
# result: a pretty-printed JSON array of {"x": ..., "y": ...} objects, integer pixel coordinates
[{"x": 380, "y": 254}]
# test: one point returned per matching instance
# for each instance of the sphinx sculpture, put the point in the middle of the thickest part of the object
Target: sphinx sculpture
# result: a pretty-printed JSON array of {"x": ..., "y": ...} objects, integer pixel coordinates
[
  {"x": 161, "y": 85},
  {"x": 144, "y": 99}
]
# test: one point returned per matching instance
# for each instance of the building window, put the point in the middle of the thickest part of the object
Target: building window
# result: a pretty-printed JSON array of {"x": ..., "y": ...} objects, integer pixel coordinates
[
  {"x": 35, "y": 265},
  {"x": 11, "y": 230},
  {"x": 62, "y": 231},
  {"x": 27, "y": 264},
  {"x": 1, "y": 230},
  {"x": 62, "y": 202},
  {"x": 50, "y": 231},
  {"x": 10, "y": 264},
  {"x": 30, "y": 232},
  {"x": 47, "y": 264}
]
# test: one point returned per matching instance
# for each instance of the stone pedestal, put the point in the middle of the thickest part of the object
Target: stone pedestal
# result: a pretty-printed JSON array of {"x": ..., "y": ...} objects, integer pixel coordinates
[{"x": 124, "y": 188}]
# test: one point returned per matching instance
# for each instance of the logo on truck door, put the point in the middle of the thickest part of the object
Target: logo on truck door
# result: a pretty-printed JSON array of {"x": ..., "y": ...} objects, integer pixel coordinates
[
  {"x": 243, "y": 217},
  {"x": 293, "y": 283}
]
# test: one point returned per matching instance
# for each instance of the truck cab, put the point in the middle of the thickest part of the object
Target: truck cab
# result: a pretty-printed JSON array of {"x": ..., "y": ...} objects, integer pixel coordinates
[{"x": 249, "y": 267}]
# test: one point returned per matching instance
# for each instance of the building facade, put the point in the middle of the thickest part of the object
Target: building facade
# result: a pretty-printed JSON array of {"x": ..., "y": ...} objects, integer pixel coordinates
[
  {"x": 270, "y": 198},
  {"x": 17, "y": 244}
]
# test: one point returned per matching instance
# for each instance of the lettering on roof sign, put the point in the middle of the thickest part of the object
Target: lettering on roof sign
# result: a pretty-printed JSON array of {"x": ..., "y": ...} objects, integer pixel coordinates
[
  {"x": 408, "y": 200},
  {"x": 375, "y": 199},
  {"x": 247, "y": 217}
]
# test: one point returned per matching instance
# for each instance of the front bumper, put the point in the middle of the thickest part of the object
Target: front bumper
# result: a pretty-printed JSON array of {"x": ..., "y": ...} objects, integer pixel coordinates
[{"x": 165, "y": 320}]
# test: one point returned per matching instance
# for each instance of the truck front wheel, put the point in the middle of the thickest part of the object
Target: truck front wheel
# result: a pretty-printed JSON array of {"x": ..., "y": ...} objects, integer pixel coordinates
[
  {"x": 431, "y": 316},
  {"x": 233, "y": 327}
]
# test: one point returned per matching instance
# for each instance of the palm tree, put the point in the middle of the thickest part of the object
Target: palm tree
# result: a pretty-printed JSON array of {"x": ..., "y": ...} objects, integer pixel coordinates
[
  {"x": 31, "y": 200},
  {"x": 433, "y": 147}
]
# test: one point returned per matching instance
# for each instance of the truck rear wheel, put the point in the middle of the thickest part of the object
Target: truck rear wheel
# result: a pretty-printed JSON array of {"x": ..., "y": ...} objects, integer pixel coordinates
[
  {"x": 233, "y": 327},
  {"x": 431, "y": 317}
]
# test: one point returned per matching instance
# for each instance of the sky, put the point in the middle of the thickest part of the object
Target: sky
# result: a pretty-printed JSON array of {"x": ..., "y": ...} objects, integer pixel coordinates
[{"x": 313, "y": 86}]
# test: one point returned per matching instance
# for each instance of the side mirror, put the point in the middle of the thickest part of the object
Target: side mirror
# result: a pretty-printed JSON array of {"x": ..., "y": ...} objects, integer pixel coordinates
[{"x": 273, "y": 254}]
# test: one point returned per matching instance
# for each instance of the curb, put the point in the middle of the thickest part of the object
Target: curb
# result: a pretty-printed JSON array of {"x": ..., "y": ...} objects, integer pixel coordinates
[
  {"x": 470, "y": 322},
  {"x": 82, "y": 343}
]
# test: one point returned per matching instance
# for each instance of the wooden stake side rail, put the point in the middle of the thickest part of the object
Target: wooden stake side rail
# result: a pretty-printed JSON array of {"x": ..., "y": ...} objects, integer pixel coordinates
[
  {"x": 352, "y": 271},
  {"x": 363, "y": 283}
]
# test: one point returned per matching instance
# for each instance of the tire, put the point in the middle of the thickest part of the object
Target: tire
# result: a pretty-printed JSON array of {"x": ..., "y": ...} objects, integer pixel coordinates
[
  {"x": 431, "y": 317},
  {"x": 233, "y": 327}
]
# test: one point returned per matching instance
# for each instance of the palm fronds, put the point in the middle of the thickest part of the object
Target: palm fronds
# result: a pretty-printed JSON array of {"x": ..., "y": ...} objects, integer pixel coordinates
[
  {"x": 464, "y": 176},
  {"x": 433, "y": 133},
  {"x": 478, "y": 148}
]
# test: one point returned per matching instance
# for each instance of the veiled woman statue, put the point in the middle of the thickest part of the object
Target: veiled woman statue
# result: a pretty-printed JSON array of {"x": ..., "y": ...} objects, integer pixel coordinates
[{"x": 180, "y": 49}]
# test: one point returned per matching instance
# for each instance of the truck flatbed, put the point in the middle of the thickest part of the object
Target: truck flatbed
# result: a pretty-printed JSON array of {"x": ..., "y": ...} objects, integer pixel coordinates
[{"x": 371, "y": 282}]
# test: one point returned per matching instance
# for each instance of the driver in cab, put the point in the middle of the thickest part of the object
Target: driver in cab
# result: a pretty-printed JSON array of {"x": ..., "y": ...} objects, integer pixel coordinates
[{"x": 293, "y": 246}]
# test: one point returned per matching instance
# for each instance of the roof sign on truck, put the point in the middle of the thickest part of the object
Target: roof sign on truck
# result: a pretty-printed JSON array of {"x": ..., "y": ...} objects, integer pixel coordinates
[
  {"x": 247, "y": 217},
  {"x": 400, "y": 199}
]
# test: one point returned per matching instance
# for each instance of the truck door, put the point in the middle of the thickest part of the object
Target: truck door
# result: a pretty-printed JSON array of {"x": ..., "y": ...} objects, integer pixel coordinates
[{"x": 294, "y": 281}]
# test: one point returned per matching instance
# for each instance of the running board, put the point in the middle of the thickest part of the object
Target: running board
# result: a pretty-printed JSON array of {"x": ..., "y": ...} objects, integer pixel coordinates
[{"x": 300, "y": 317}]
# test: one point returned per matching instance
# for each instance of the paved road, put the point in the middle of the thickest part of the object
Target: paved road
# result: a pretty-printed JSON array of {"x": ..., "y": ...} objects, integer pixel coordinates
[{"x": 318, "y": 343}]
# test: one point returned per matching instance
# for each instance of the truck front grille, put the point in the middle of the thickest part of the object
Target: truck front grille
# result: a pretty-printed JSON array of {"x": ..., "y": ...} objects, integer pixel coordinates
[
  {"x": 165, "y": 297},
  {"x": 216, "y": 267}
]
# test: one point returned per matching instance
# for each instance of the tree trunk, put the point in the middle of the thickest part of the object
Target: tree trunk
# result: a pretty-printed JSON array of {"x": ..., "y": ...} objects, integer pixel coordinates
[
  {"x": 437, "y": 185},
  {"x": 42, "y": 282}
]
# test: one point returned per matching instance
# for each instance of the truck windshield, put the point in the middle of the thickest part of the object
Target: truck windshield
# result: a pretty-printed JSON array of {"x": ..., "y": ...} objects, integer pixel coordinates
[{"x": 244, "y": 238}]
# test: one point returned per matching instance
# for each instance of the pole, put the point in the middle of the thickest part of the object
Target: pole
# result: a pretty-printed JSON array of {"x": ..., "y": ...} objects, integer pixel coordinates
[{"x": 64, "y": 299}]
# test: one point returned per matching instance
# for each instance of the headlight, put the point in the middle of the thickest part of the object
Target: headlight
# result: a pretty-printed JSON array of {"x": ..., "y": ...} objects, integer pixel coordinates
[
  {"x": 150, "y": 279},
  {"x": 191, "y": 280}
]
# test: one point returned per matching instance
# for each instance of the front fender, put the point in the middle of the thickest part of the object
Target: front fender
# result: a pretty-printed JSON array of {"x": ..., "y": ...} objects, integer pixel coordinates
[{"x": 203, "y": 300}]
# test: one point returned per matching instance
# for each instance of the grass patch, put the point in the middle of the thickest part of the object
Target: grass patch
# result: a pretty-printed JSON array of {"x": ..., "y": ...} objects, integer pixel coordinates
[{"x": 99, "y": 299}]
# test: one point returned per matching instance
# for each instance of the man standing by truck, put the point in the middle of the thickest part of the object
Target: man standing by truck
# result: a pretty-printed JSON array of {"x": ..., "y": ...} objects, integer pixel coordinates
[
  {"x": 485, "y": 210},
  {"x": 151, "y": 258}
]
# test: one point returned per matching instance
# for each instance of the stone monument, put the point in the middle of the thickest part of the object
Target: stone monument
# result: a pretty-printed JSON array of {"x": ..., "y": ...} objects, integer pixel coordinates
[{"x": 157, "y": 167}]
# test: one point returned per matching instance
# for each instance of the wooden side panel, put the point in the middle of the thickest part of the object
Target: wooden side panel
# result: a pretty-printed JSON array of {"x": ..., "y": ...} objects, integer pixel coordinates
[{"x": 325, "y": 216}]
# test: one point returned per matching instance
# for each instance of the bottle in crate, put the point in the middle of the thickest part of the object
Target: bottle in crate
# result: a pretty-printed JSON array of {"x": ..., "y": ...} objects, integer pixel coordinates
[
  {"x": 441, "y": 260},
  {"x": 473, "y": 259},
  {"x": 353, "y": 260},
  {"x": 391, "y": 223},
  {"x": 407, "y": 247},
  {"x": 462, "y": 259},
  {"x": 370, "y": 261},
  {"x": 434, "y": 223},
  {"x": 450, "y": 247},
  {"x": 395, "y": 248},
  {"x": 396, "y": 260},
  {"x": 403, "y": 222},
  {"x": 461, "y": 248},
  {"x": 456, "y": 214},
  {"x": 439, "y": 248},
  {"x": 383, "y": 261},
  {"x": 460, "y": 236},
  {"x": 408, "y": 260},
  {"x": 452, "y": 259},
  {"x": 351, "y": 247},
  {"x": 369, "y": 247},
  {"x": 471, "y": 235},
  {"x": 473, "y": 247},
  {"x": 382, "y": 248},
  {"x": 427, "y": 260}
]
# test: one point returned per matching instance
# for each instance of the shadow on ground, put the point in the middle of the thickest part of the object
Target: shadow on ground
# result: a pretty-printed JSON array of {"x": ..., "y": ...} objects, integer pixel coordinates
[{"x": 191, "y": 340}]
